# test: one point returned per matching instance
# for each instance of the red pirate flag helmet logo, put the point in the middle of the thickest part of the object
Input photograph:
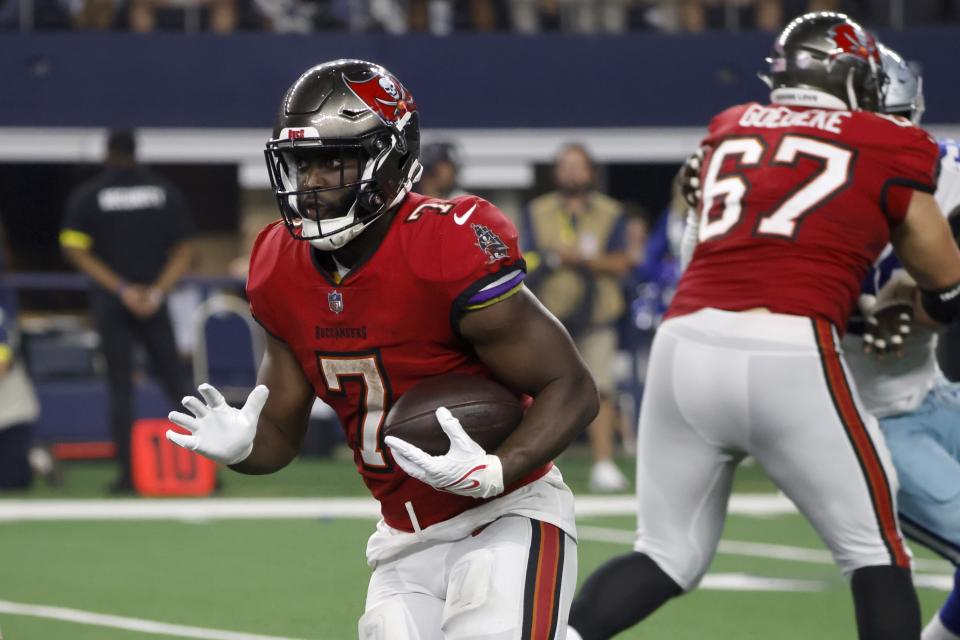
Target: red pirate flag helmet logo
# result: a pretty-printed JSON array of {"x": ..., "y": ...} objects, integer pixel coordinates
[
  {"x": 848, "y": 39},
  {"x": 385, "y": 96}
]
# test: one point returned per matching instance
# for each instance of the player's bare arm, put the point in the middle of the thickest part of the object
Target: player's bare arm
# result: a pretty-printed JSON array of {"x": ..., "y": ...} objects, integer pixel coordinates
[
  {"x": 925, "y": 246},
  {"x": 283, "y": 421},
  {"x": 526, "y": 348}
]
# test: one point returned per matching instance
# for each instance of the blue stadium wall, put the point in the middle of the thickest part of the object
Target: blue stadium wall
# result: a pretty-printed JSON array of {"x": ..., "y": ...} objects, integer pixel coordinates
[{"x": 463, "y": 81}]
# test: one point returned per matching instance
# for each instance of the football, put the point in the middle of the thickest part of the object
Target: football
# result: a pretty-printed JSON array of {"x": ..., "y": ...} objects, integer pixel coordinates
[{"x": 488, "y": 411}]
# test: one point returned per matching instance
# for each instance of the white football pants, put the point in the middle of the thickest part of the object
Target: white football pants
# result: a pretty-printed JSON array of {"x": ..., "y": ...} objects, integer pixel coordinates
[
  {"x": 724, "y": 385},
  {"x": 511, "y": 580}
]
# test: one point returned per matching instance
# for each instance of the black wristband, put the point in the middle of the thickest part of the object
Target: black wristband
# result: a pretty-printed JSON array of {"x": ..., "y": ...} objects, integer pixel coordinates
[{"x": 943, "y": 305}]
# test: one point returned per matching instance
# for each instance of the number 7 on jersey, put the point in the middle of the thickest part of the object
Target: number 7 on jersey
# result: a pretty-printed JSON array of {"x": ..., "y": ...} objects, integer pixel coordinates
[{"x": 365, "y": 370}]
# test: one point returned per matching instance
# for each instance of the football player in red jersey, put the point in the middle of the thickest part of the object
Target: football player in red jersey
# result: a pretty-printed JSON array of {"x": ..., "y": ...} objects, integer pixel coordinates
[
  {"x": 367, "y": 288},
  {"x": 797, "y": 198}
]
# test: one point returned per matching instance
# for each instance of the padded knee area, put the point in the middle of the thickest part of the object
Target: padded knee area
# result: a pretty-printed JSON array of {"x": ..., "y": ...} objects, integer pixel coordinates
[
  {"x": 469, "y": 586},
  {"x": 389, "y": 620}
]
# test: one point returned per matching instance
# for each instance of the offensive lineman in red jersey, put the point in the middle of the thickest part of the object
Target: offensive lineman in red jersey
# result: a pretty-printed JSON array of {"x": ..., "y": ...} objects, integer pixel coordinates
[
  {"x": 366, "y": 289},
  {"x": 798, "y": 198}
]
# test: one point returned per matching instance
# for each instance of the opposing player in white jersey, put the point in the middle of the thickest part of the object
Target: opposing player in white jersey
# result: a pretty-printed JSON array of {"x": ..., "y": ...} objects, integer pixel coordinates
[{"x": 918, "y": 409}]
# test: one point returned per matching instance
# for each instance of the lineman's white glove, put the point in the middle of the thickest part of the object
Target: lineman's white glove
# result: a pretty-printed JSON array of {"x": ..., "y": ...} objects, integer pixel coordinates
[
  {"x": 466, "y": 469},
  {"x": 218, "y": 431}
]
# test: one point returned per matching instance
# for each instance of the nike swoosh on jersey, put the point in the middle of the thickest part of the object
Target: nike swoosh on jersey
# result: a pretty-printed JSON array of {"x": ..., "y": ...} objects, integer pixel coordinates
[{"x": 462, "y": 219}]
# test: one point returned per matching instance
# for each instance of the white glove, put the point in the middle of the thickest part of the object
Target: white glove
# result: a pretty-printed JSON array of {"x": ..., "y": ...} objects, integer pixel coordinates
[
  {"x": 466, "y": 469},
  {"x": 218, "y": 431}
]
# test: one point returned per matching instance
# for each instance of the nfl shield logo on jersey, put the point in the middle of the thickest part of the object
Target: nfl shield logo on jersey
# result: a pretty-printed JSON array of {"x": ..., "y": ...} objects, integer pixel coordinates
[{"x": 335, "y": 300}]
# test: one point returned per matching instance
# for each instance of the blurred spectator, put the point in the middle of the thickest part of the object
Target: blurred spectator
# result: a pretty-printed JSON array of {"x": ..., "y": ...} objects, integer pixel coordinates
[
  {"x": 222, "y": 13},
  {"x": 579, "y": 16},
  {"x": 390, "y": 15},
  {"x": 9, "y": 14},
  {"x": 443, "y": 17},
  {"x": 128, "y": 229},
  {"x": 637, "y": 229},
  {"x": 484, "y": 15},
  {"x": 698, "y": 15},
  {"x": 39, "y": 15},
  {"x": 289, "y": 16},
  {"x": 440, "y": 170},
  {"x": 578, "y": 236},
  {"x": 94, "y": 14},
  {"x": 656, "y": 276},
  {"x": 19, "y": 408}
]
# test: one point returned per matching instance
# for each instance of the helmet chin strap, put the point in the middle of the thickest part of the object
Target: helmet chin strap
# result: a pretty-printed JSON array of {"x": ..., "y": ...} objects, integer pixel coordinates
[
  {"x": 337, "y": 231},
  {"x": 344, "y": 229}
]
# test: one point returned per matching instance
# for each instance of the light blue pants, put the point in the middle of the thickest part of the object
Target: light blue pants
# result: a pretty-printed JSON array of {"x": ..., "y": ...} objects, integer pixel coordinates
[{"x": 925, "y": 445}]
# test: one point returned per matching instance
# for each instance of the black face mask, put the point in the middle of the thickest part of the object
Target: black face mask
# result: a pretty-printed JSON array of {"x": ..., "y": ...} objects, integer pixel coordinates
[
  {"x": 335, "y": 199},
  {"x": 337, "y": 210}
]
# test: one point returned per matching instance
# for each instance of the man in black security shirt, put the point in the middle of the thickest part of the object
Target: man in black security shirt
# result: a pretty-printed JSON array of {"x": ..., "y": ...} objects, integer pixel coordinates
[{"x": 128, "y": 229}]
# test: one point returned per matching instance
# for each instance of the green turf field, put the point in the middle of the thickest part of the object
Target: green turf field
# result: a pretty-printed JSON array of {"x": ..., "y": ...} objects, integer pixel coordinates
[
  {"x": 307, "y": 578},
  {"x": 326, "y": 477}
]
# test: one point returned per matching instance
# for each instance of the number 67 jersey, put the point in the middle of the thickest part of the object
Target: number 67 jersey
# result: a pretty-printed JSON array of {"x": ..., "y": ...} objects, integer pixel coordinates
[
  {"x": 796, "y": 204},
  {"x": 389, "y": 323}
]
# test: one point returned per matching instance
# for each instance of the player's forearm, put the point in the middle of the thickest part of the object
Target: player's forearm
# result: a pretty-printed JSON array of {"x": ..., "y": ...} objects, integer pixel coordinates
[
  {"x": 559, "y": 413},
  {"x": 920, "y": 315},
  {"x": 94, "y": 268},
  {"x": 177, "y": 265},
  {"x": 272, "y": 451},
  {"x": 925, "y": 244}
]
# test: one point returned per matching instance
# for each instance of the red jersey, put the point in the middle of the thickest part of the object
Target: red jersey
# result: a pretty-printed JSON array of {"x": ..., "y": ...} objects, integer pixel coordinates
[
  {"x": 796, "y": 205},
  {"x": 389, "y": 323}
]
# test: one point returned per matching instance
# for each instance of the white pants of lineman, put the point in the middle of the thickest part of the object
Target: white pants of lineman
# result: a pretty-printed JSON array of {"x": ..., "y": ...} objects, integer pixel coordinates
[
  {"x": 723, "y": 385},
  {"x": 511, "y": 580}
]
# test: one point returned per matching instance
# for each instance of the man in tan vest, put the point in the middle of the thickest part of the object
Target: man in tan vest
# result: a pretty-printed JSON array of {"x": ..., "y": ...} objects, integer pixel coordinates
[{"x": 577, "y": 235}]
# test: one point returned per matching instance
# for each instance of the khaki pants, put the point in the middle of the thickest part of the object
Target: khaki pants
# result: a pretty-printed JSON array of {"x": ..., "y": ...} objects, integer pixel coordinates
[{"x": 598, "y": 346}]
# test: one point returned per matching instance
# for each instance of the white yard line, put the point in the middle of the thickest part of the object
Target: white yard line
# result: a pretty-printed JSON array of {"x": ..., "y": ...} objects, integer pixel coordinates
[
  {"x": 18, "y": 510},
  {"x": 129, "y": 624},
  {"x": 747, "y": 582},
  {"x": 189, "y": 509},
  {"x": 199, "y": 510},
  {"x": 744, "y": 504},
  {"x": 305, "y": 508},
  {"x": 940, "y": 581}
]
